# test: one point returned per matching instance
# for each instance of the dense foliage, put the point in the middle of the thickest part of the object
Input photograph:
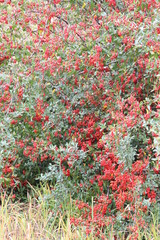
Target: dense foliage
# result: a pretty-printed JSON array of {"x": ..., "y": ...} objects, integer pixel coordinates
[{"x": 79, "y": 101}]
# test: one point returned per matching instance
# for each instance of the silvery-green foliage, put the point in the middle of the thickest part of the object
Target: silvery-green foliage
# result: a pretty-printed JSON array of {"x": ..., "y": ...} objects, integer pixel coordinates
[{"x": 126, "y": 152}]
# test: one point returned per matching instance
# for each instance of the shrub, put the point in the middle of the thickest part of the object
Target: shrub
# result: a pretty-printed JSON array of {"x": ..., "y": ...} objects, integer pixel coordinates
[{"x": 80, "y": 104}]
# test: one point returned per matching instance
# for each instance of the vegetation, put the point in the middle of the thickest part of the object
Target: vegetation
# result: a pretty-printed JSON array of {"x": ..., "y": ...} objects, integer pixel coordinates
[
  {"x": 34, "y": 220},
  {"x": 79, "y": 101}
]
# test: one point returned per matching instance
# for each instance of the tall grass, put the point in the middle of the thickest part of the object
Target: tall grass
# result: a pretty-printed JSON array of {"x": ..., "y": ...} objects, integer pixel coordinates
[{"x": 34, "y": 221}]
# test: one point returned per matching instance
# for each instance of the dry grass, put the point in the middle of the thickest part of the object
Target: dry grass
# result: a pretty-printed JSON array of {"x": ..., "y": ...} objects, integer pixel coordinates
[
  {"x": 24, "y": 221},
  {"x": 33, "y": 221}
]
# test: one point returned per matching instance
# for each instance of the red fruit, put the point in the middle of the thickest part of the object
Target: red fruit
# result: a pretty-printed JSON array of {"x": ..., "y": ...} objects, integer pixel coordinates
[
  {"x": 154, "y": 134},
  {"x": 13, "y": 196},
  {"x": 157, "y": 171},
  {"x": 13, "y": 121}
]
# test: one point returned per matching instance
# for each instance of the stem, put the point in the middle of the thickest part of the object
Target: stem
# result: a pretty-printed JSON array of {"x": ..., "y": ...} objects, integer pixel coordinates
[{"x": 92, "y": 209}]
